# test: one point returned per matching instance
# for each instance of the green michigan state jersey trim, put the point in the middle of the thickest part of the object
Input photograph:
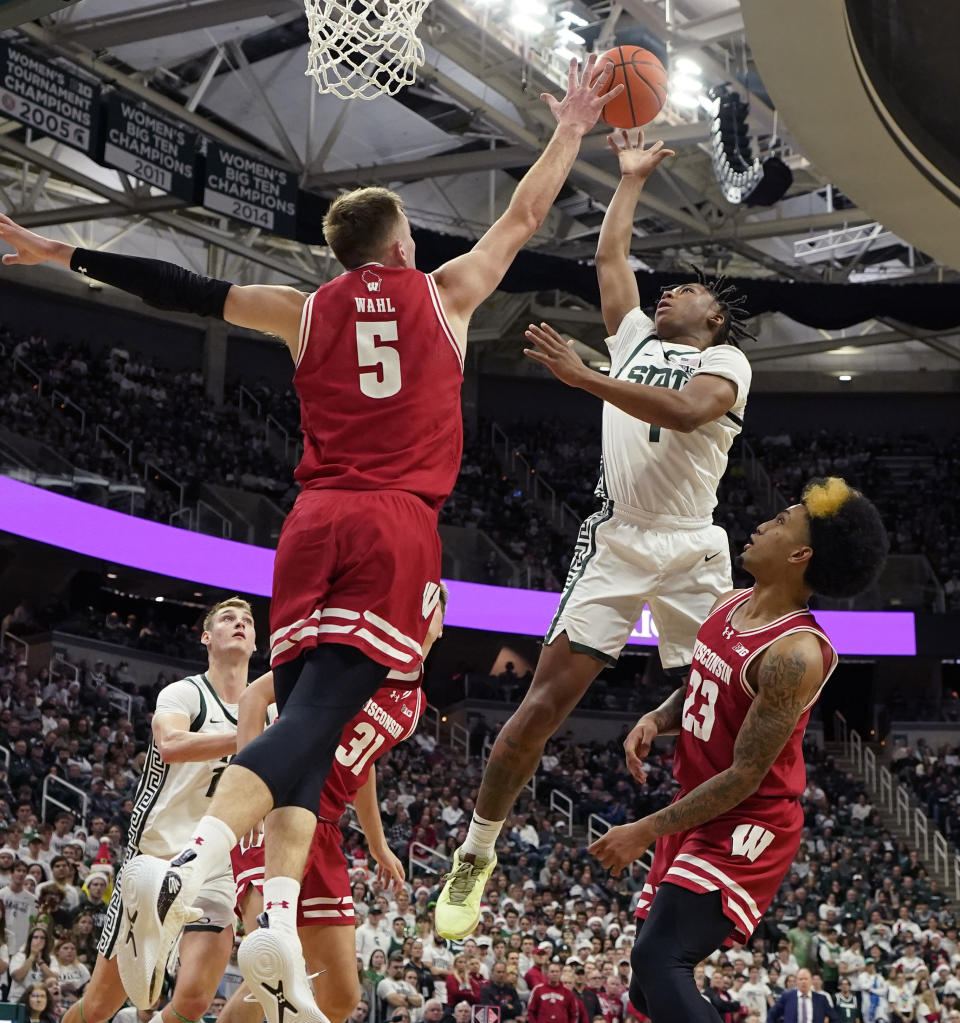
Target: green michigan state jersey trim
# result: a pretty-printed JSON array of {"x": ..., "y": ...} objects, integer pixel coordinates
[
  {"x": 587, "y": 543},
  {"x": 639, "y": 348},
  {"x": 599, "y": 655},
  {"x": 213, "y": 693}
]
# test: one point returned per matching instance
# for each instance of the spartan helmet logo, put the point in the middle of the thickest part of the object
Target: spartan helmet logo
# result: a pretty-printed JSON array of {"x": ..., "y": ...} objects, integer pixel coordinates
[{"x": 371, "y": 280}]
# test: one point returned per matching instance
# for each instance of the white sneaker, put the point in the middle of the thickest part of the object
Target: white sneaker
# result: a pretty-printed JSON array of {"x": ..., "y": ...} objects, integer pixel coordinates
[
  {"x": 157, "y": 902},
  {"x": 271, "y": 961}
]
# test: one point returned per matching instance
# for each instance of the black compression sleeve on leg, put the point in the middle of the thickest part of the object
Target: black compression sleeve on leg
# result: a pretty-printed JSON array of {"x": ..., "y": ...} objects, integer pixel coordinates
[
  {"x": 162, "y": 285},
  {"x": 294, "y": 755},
  {"x": 681, "y": 930}
]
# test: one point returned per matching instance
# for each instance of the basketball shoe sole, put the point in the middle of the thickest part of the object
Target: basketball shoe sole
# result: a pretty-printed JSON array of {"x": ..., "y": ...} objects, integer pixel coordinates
[
  {"x": 156, "y": 904},
  {"x": 271, "y": 961}
]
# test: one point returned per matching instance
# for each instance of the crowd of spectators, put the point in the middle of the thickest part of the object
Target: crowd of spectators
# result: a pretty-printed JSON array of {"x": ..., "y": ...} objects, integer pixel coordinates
[
  {"x": 934, "y": 777},
  {"x": 166, "y": 417},
  {"x": 858, "y": 908},
  {"x": 914, "y": 480}
]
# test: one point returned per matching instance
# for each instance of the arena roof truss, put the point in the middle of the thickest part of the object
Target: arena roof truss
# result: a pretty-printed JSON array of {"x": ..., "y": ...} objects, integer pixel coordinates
[{"x": 453, "y": 145}]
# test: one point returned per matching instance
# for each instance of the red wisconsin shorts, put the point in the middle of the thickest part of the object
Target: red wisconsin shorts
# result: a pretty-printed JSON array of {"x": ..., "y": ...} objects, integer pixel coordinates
[
  {"x": 744, "y": 854},
  {"x": 357, "y": 567},
  {"x": 247, "y": 866},
  {"x": 325, "y": 898}
]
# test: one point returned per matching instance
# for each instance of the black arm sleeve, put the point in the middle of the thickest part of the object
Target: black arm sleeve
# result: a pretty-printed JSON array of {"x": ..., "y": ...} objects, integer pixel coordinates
[{"x": 162, "y": 285}]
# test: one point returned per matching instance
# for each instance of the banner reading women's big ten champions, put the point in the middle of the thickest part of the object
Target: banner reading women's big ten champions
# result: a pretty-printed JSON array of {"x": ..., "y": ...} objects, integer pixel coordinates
[
  {"x": 51, "y": 98},
  {"x": 249, "y": 189},
  {"x": 150, "y": 145}
]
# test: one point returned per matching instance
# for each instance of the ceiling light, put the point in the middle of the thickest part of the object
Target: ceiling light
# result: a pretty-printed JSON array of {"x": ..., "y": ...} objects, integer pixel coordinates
[
  {"x": 573, "y": 19},
  {"x": 684, "y": 83},
  {"x": 684, "y": 99},
  {"x": 685, "y": 65},
  {"x": 566, "y": 35},
  {"x": 522, "y": 22},
  {"x": 111, "y": 575},
  {"x": 562, "y": 51},
  {"x": 845, "y": 378},
  {"x": 159, "y": 600}
]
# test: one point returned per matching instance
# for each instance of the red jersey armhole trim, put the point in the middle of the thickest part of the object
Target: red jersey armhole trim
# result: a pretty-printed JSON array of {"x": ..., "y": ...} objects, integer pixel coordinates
[
  {"x": 828, "y": 671},
  {"x": 306, "y": 319},
  {"x": 442, "y": 317}
]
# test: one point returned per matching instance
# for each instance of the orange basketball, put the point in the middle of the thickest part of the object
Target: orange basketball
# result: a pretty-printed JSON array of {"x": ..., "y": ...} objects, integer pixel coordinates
[{"x": 645, "y": 86}]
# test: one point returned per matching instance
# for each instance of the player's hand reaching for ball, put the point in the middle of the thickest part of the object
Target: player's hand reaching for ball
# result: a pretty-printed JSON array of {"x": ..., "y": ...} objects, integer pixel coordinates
[
  {"x": 637, "y": 745},
  {"x": 556, "y": 354},
  {"x": 585, "y": 96},
  {"x": 31, "y": 249},
  {"x": 620, "y": 846},
  {"x": 389, "y": 869},
  {"x": 635, "y": 161}
]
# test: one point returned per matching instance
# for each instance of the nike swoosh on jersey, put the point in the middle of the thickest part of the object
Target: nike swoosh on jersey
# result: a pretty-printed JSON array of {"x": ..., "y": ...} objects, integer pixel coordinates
[{"x": 710, "y": 557}]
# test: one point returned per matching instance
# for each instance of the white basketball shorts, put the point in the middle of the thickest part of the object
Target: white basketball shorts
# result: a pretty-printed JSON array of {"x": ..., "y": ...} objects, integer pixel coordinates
[{"x": 624, "y": 559}]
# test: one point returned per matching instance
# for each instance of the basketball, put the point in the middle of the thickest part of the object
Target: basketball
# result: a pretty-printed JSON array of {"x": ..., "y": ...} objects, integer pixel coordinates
[{"x": 645, "y": 86}]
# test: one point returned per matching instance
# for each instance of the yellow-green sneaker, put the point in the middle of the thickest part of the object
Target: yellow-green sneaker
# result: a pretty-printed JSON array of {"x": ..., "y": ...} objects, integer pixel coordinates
[{"x": 458, "y": 907}]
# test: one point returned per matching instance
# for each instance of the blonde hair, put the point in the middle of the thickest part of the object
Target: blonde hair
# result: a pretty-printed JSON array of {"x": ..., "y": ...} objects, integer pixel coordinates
[
  {"x": 360, "y": 223},
  {"x": 823, "y": 498},
  {"x": 229, "y": 602}
]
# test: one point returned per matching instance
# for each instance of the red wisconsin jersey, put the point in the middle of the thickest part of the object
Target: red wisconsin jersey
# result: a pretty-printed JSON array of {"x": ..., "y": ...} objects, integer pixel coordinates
[
  {"x": 378, "y": 375},
  {"x": 719, "y": 696},
  {"x": 383, "y": 722}
]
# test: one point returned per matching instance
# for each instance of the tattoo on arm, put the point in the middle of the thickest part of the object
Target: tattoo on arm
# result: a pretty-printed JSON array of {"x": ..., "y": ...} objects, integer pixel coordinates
[
  {"x": 781, "y": 698},
  {"x": 669, "y": 714}
]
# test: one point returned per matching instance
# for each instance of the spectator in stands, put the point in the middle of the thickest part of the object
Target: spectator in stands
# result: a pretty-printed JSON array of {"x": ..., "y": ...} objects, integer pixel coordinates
[
  {"x": 551, "y": 1002},
  {"x": 395, "y": 992},
  {"x": 32, "y": 965},
  {"x": 461, "y": 985},
  {"x": 19, "y": 906},
  {"x": 37, "y": 1003},
  {"x": 499, "y": 991}
]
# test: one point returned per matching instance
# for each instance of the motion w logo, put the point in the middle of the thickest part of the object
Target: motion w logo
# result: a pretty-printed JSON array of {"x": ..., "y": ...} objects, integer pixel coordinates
[{"x": 750, "y": 840}]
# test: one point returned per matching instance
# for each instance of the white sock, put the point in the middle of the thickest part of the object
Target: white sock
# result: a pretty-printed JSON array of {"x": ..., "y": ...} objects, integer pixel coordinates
[
  {"x": 482, "y": 837},
  {"x": 280, "y": 898},
  {"x": 211, "y": 843}
]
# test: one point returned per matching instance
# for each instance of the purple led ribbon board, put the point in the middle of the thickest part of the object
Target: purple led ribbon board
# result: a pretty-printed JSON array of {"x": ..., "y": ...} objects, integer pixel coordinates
[{"x": 51, "y": 518}]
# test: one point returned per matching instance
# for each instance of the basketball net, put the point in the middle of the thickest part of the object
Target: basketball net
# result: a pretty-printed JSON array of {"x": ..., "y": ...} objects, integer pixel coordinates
[{"x": 361, "y": 49}]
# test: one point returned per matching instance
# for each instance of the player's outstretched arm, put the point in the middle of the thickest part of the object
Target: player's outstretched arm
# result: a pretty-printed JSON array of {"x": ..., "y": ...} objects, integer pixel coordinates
[
  {"x": 618, "y": 283},
  {"x": 389, "y": 868},
  {"x": 467, "y": 280},
  {"x": 789, "y": 676},
  {"x": 268, "y": 308},
  {"x": 176, "y": 744},
  {"x": 702, "y": 399}
]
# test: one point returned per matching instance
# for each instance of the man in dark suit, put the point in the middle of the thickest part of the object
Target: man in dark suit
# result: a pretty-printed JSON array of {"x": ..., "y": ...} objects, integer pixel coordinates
[{"x": 802, "y": 1005}]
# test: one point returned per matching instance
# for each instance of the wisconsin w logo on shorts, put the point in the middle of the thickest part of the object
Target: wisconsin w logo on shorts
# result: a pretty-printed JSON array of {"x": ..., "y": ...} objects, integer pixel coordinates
[{"x": 750, "y": 840}]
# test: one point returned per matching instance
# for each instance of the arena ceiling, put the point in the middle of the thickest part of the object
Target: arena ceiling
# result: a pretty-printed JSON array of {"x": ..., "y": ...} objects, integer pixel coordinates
[{"x": 454, "y": 145}]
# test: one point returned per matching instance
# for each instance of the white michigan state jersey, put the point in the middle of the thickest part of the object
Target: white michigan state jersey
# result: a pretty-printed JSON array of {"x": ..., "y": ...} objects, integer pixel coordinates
[
  {"x": 660, "y": 471},
  {"x": 171, "y": 798}
]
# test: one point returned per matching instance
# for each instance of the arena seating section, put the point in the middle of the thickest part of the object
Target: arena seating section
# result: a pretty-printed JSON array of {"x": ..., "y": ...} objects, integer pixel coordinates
[
  {"x": 861, "y": 892},
  {"x": 167, "y": 418}
]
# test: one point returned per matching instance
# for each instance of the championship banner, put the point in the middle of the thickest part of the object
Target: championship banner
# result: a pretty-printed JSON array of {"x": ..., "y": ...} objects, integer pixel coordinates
[
  {"x": 248, "y": 189},
  {"x": 150, "y": 145},
  {"x": 48, "y": 98}
]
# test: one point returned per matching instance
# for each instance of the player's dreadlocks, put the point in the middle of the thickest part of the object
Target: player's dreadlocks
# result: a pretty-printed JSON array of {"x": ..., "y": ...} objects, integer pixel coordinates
[{"x": 731, "y": 302}]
